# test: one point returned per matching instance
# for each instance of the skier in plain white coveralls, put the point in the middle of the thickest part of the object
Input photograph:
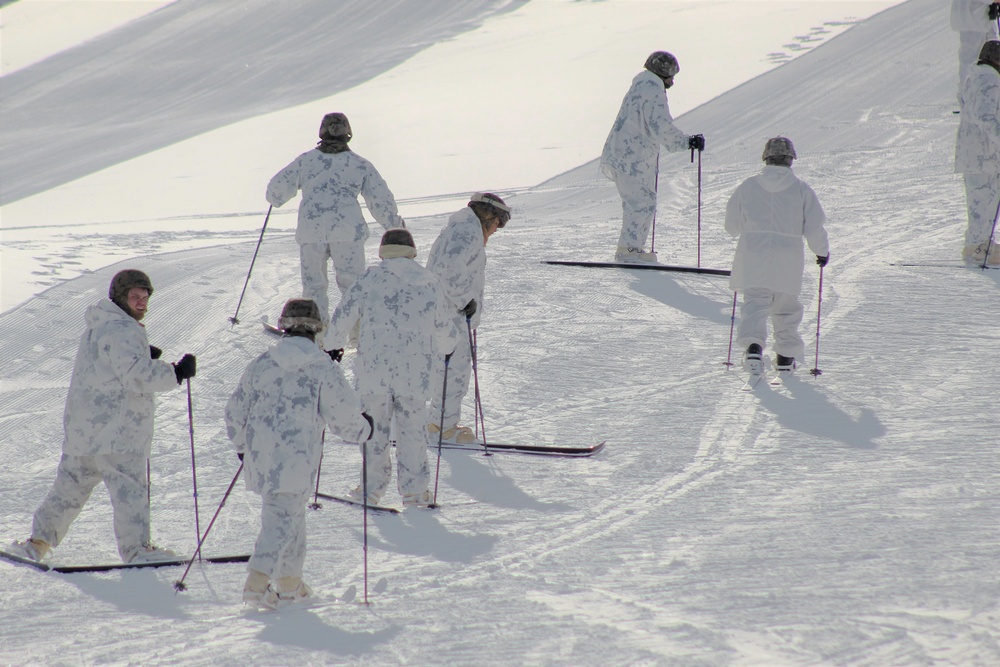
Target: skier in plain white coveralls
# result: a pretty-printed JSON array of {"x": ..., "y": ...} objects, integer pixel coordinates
[
  {"x": 771, "y": 213},
  {"x": 975, "y": 22},
  {"x": 330, "y": 223},
  {"x": 275, "y": 420},
  {"x": 405, "y": 324},
  {"x": 109, "y": 424},
  {"x": 977, "y": 155},
  {"x": 631, "y": 153},
  {"x": 458, "y": 258}
]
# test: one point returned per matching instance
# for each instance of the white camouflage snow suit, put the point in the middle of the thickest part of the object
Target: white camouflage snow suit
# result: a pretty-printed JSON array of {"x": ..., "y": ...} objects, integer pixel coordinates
[
  {"x": 108, "y": 424},
  {"x": 275, "y": 418},
  {"x": 405, "y": 325},
  {"x": 771, "y": 213},
  {"x": 458, "y": 258},
  {"x": 971, "y": 20},
  {"x": 632, "y": 151},
  {"x": 977, "y": 151},
  {"x": 330, "y": 224}
]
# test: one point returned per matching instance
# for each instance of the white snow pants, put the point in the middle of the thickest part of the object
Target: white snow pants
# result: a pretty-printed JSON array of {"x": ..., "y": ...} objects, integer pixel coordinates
[
  {"x": 638, "y": 197},
  {"x": 982, "y": 197},
  {"x": 348, "y": 264},
  {"x": 125, "y": 477},
  {"x": 280, "y": 550},
  {"x": 412, "y": 471},
  {"x": 786, "y": 315},
  {"x": 459, "y": 374}
]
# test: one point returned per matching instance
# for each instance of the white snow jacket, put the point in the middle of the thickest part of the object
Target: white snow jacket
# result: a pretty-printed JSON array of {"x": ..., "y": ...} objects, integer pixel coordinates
[
  {"x": 330, "y": 185},
  {"x": 977, "y": 149},
  {"x": 458, "y": 258},
  {"x": 973, "y": 16},
  {"x": 643, "y": 124},
  {"x": 277, "y": 414},
  {"x": 406, "y": 321},
  {"x": 110, "y": 403},
  {"x": 770, "y": 213}
]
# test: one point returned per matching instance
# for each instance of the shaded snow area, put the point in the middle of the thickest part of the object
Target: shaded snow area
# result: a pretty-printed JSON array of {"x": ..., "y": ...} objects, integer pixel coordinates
[{"x": 848, "y": 519}]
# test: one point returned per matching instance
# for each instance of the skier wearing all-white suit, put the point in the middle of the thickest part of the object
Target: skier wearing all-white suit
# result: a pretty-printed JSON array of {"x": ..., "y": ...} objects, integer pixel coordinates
[
  {"x": 977, "y": 155},
  {"x": 771, "y": 213},
  {"x": 330, "y": 224},
  {"x": 631, "y": 153},
  {"x": 275, "y": 420},
  {"x": 971, "y": 20},
  {"x": 458, "y": 258},
  {"x": 108, "y": 424},
  {"x": 405, "y": 324}
]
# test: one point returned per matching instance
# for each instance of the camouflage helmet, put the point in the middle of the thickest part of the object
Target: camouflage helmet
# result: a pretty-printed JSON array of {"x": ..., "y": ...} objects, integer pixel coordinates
[
  {"x": 778, "y": 147},
  {"x": 125, "y": 281},
  {"x": 301, "y": 315},
  {"x": 990, "y": 53},
  {"x": 335, "y": 125},
  {"x": 662, "y": 64},
  {"x": 398, "y": 236},
  {"x": 491, "y": 204}
]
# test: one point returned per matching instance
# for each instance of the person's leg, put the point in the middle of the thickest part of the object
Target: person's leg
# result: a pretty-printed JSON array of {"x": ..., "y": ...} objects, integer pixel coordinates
[
  {"x": 75, "y": 480},
  {"x": 786, "y": 316},
  {"x": 459, "y": 376},
  {"x": 413, "y": 473},
  {"x": 377, "y": 449},
  {"x": 125, "y": 477},
  {"x": 638, "y": 208},
  {"x": 313, "y": 259}
]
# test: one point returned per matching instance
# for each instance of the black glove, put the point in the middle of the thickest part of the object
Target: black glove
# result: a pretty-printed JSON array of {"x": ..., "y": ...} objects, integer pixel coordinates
[
  {"x": 470, "y": 308},
  {"x": 696, "y": 142},
  {"x": 336, "y": 355},
  {"x": 995, "y": 11},
  {"x": 185, "y": 368},
  {"x": 371, "y": 425},
  {"x": 154, "y": 352},
  {"x": 239, "y": 455},
  {"x": 822, "y": 259}
]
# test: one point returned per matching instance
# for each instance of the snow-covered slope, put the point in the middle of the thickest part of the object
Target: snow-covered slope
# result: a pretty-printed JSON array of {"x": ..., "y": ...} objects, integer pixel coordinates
[{"x": 844, "y": 520}]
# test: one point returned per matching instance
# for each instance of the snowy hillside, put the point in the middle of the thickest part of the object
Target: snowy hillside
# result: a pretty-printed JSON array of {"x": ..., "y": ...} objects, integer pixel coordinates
[{"x": 849, "y": 519}]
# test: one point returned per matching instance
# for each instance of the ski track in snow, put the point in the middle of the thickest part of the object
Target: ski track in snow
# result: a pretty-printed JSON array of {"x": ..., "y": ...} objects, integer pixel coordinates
[{"x": 844, "y": 520}]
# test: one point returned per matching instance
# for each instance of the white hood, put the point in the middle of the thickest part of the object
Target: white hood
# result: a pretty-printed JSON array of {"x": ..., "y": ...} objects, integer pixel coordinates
[{"x": 776, "y": 178}]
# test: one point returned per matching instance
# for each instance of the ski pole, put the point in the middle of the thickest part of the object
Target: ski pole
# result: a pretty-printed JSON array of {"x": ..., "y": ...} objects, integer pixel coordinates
[
  {"x": 993, "y": 229},
  {"x": 728, "y": 363},
  {"x": 235, "y": 318},
  {"x": 656, "y": 189},
  {"x": 364, "y": 521},
  {"x": 699, "y": 209},
  {"x": 444, "y": 395},
  {"x": 179, "y": 585},
  {"x": 819, "y": 307},
  {"x": 478, "y": 418},
  {"x": 194, "y": 474},
  {"x": 316, "y": 504}
]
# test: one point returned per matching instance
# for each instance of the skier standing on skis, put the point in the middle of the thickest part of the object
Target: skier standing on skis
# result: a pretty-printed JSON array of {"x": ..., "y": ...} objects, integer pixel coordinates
[
  {"x": 632, "y": 151},
  {"x": 977, "y": 155},
  {"x": 405, "y": 323},
  {"x": 330, "y": 224},
  {"x": 275, "y": 420},
  {"x": 108, "y": 423},
  {"x": 975, "y": 21},
  {"x": 458, "y": 257},
  {"x": 771, "y": 213}
]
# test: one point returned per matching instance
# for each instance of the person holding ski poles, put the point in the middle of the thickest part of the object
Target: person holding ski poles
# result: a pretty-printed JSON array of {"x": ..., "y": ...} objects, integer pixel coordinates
[
  {"x": 275, "y": 420},
  {"x": 458, "y": 258},
  {"x": 330, "y": 224},
  {"x": 108, "y": 424},
  {"x": 771, "y": 213},
  {"x": 975, "y": 21},
  {"x": 977, "y": 156},
  {"x": 631, "y": 153},
  {"x": 405, "y": 324}
]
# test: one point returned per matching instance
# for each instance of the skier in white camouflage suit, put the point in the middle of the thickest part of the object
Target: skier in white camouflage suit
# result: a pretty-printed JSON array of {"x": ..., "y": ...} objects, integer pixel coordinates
[
  {"x": 977, "y": 155},
  {"x": 632, "y": 151},
  {"x": 771, "y": 213},
  {"x": 975, "y": 22},
  {"x": 458, "y": 257},
  {"x": 108, "y": 424},
  {"x": 330, "y": 224},
  {"x": 405, "y": 324},
  {"x": 275, "y": 420}
]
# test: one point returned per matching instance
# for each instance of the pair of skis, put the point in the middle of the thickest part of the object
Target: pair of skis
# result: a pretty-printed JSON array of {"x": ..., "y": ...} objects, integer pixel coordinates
[{"x": 107, "y": 567}]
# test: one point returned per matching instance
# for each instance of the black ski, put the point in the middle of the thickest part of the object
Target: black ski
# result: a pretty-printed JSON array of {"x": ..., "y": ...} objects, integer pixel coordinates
[
  {"x": 536, "y": 450},
  {"x": 944, "y": 265},
  {"x": 357, "y": 503},
  {"x": 68, "y": 569},
  {"x": 644, "y": 267}
]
